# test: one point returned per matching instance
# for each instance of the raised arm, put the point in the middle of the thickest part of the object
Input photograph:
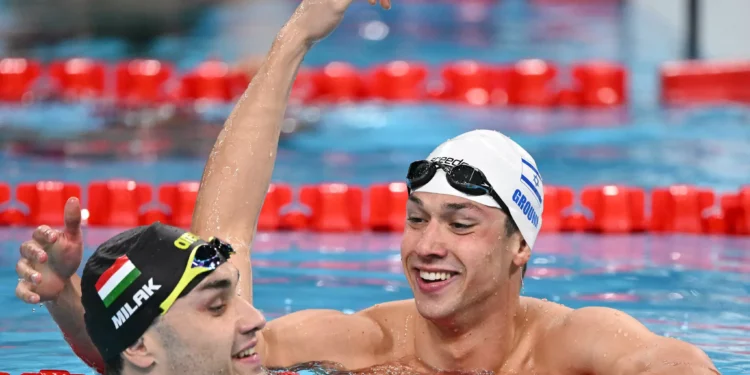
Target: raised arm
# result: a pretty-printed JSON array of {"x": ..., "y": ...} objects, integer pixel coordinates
[
  {"x": 235, "y": 180},
  {"x": 233, "y": 187},
  {"x": 238, "y": 172},
  {"x": 605, "y": 341},
  {"x": 239, "y": 168}
]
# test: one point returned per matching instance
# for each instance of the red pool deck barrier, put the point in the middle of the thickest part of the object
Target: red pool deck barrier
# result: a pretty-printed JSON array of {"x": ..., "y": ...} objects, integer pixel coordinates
[
  {"x": 705, "y": 82},
  {"x": 338, "y": 207},
  {"x": 530, "y": 82},
  {"x": 78, "y": 78},
  {"x": 17, "y": 76}
]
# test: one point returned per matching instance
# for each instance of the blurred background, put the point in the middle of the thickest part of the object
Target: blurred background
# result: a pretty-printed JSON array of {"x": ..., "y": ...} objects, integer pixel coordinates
[
  {"x": 648, "y": 94},
  {"x": 79, "y": 113}
]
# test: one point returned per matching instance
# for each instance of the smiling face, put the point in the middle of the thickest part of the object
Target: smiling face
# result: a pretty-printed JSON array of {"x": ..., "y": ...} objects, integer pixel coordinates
[
  {"x": 456, "y": 253},
  {"x": 211, "y": 330}
]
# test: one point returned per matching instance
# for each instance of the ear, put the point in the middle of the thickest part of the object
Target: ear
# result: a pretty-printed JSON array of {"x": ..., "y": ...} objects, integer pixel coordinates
[
  {"x": 522, "y": 253},
  {"x": 140, "y": 354}
]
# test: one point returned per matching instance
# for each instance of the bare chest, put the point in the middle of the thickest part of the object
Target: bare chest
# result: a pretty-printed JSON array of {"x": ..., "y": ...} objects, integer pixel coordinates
[
  {"x": 517, "y": 364},
  {"x": 399, "y": 368}
]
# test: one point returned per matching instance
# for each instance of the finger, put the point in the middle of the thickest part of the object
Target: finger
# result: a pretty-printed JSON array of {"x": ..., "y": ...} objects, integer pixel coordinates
[
  {"x": 73, "y": 218},
  {"x": 372, "y": 2},
  {"x": 28, "y": 273},
  {"x": 25, "y": 293},
  {"x": 44, "y": 236},
  {"x": 31, "y": 251},
  {"x": 386, "y": 4}
]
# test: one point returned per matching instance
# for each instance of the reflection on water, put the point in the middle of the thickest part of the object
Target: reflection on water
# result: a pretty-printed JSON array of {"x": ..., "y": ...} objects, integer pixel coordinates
[
  {"x": 645, "y": 152},
  {"x": 312, "y": 368}
]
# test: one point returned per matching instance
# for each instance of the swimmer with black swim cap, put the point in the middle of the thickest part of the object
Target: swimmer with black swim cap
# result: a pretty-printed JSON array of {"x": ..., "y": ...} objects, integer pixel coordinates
[
  {"x": 474, "y": 212},
  {"x": 163, "y": 299}
]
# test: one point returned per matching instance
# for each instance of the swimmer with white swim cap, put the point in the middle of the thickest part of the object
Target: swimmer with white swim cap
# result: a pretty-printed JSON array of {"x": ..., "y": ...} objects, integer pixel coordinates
[{"x": 474, "y": 212}]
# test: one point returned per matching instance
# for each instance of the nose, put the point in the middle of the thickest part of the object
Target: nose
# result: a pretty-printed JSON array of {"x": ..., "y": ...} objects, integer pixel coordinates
[
  {"x": 430, "y": 243},
  {"x": 251, "y": 320}
]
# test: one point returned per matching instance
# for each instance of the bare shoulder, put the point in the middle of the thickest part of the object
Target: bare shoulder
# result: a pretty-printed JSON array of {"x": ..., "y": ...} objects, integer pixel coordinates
[
  {"x": 544, "y": 307},
  {"x": 543, "y": 315},
  {"x": 354, "y": 340},
  {"x": 602, "y": 339},
  {"x": 596, "y": 320},
  {"x": 391, "y": 314}
]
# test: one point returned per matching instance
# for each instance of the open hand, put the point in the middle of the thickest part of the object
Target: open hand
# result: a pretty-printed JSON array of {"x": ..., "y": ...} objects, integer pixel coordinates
[
  {"x": 316, "y": 19},
  {"x": 50, "y": 258}
]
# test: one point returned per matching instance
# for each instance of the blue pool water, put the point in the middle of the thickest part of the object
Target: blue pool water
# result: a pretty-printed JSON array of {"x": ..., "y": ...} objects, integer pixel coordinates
[{"x": 693, "y": 288}]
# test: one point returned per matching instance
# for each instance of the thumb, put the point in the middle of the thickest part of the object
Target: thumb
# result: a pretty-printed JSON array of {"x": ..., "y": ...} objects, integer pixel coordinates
[{"x": 72, "y": 218}]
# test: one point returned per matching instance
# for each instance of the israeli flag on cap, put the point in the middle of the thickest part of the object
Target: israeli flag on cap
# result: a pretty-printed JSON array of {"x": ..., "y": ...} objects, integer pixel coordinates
[{"x": 531, "y": 178}]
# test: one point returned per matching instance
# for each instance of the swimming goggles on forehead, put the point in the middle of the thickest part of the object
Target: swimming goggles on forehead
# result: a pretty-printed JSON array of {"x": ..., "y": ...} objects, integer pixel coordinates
[
  {"x": 204, "y": 257},
  {"x": 464, "y": 178},
  {"x": 211, "y": 254}
]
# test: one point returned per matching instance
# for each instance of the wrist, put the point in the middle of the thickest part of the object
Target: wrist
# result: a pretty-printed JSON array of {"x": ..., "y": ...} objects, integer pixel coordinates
[
  {"x": 64, "y": 295},
  {"x": 293, "y": 38}
]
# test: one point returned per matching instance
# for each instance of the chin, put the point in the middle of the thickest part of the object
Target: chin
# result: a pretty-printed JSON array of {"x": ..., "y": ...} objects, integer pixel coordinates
[
  {"x": 436, "y": 299},
  {"x": 246, "y": 371},
  {"x": 434, "y": 310}
]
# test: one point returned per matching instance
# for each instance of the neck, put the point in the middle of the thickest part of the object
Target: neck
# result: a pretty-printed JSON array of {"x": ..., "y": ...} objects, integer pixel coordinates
[{"x": 480, "y": 337}]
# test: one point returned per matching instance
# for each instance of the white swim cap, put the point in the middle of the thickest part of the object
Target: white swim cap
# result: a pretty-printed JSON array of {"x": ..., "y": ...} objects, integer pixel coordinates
[{"x": 509, "y": 168}]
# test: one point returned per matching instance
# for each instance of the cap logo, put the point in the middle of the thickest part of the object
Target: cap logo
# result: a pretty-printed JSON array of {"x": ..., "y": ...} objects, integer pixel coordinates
[
  {"x": 528, "y": 210},
  {"x": 116, "y": 279},
  {"x": 448, "y": 161},
  {"x": 185, "y": 240},
  {"x": 531, "y": 179},
  {"x": 139, "y": 298}
]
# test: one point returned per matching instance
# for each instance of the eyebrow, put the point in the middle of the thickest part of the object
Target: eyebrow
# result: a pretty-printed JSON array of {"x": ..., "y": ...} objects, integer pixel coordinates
[
  {"x": 460, "y": 206},
  {"x": 217, "y": 284},
  {"x": 415, "y": 200},
  {"x": 448, "y": 206}
]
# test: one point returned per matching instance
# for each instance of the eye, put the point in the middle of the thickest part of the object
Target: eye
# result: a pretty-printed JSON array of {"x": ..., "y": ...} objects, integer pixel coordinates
[
  {"x": 461, "y": 226},
  {"x": 217, "y": 308},
  {"x": 415, "y": 217}
]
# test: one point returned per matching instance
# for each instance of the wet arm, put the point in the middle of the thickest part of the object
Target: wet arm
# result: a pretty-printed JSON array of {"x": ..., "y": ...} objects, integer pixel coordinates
[
  {"x": 322, "y": 335},
  {"x": 67, "y": 312},
  {"x": 239, "y": 168},
  {"x": 606, "y": 341},
  {"x": 658, "y": 356},
  {"x": 234, "y": 184}
]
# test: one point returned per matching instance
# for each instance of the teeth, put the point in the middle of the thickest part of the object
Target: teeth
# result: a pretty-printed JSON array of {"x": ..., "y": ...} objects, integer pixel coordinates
[
  {"x": 434, "y": 276},
  {"x": 245, "y": 353}
]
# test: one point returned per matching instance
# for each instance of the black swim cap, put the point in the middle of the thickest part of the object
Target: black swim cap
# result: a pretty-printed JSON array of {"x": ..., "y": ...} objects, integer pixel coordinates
[{"x": 136, "y": 276}]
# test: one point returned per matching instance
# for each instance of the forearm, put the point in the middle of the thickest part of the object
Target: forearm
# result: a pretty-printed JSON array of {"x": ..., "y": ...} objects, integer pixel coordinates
[
  {"x": 67, "y": 312},
  {"x": 238, "y": 171}
]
